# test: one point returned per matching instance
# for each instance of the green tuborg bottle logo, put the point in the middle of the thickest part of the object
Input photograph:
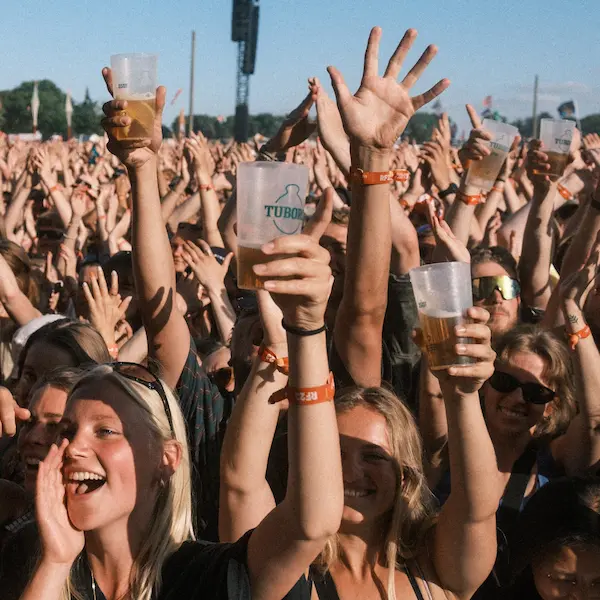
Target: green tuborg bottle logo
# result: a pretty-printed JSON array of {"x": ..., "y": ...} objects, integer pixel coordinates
[{"x": 287, "y": 219}]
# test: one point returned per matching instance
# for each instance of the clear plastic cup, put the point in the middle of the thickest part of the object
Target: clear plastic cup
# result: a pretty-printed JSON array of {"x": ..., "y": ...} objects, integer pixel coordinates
[
  {"x": 556, "y": 136},
  {"x": 483, "y": 173},
  {"x": 270, "y": 203},
  {"x": 443, "y": 293},
  {"x": 135, "y": 80}
]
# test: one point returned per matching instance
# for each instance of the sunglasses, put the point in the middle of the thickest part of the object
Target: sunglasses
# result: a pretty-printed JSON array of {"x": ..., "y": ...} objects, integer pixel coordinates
[
  {"x": 142, "y": 375},
  {"x": 535, "y": 393},
  {"x": 484, "y": 287},
  {"x": 221, "y": 377}
]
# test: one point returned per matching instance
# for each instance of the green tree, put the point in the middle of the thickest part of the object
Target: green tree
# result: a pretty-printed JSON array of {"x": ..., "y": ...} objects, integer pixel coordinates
[
  {"x": 420, "y": 127},
  {"x": 86, "y": 116},
  {"x": 591, "y": 124},
  {"x": 525, "y": 126},
  {"x": 51, "y": 116}
]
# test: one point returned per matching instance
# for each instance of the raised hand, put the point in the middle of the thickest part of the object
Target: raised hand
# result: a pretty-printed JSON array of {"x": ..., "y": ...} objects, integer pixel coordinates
[
  {"x": 61, "y": 542},
  {"x": 378, "y": 113},
  {"x": 132, "y": 153},
  {"x": 448, "y": 247},
  {"x": 591, "y": 144},
  {"x": 10, "y": 413},
  {"x": 537, "y": 165},
  {"x": 575, "y": 288},
  {"x": 205, "y": 266},
  {"x": 105, "y": 307},
  {"x": 436, "y": 156}
]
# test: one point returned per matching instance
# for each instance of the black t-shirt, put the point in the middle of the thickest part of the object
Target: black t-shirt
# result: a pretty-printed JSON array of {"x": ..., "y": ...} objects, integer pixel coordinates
[{"x": 200, "y": 571}]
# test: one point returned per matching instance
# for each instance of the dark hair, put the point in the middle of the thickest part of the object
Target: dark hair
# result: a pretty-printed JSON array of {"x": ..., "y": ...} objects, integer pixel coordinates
[
  {"x": 122, "y": 263},
  {"x": 85, "y": 345},
  {"x": 63, "y": 379},
  {"x": 564, "y": 512},
  {"x": 207, "y": 346},
  {"x": 498, "y": 255}
]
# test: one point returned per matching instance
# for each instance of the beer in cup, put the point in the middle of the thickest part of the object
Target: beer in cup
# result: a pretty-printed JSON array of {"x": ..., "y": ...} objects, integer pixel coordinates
[
  {"x": 483, "y": 173},
  {"x": 443, "y": 294},
  {"x": 270, "y": 203},
  {"x": 556, "y": 136},
  {"x": 135, "y": 80}
]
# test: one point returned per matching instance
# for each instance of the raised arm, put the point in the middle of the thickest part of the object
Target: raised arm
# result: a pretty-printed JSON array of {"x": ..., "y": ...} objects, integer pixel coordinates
[
  {"x": 373, "y": 119},
  {"x": 578, "y": 450},
  {"x": 286, "y": 542},
  {"x": 464, "y": 542},
  {"x": 536, "y": 253},
  {"x": 15, "y": 302},
  {"x": 168, "y": 334}
]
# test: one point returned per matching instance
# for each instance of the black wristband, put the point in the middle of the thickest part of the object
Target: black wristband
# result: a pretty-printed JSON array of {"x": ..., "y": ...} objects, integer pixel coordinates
[
  {"x": 302, "y": 332},
  {"x": 451, "y": 189}
]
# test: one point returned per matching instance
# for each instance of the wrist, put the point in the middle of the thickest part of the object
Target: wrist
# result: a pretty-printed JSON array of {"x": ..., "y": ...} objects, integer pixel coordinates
[
  {"x": 368, "y": 158},
  {"x": 142, "y": 170}
]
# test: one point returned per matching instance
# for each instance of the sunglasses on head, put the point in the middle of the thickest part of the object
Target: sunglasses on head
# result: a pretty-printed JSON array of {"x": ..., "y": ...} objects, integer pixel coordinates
[
  {"x": 484, "y": 287},
  {"x": 221, "y": 377},
  {"x": 535, "y": 393},
  {"x": 142, "y": 375}
]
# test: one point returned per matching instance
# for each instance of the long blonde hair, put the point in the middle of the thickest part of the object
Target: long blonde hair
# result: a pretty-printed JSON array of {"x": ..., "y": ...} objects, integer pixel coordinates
[
  {"x": 171, "y": 523},
  {"x": 413, "y": 513}
]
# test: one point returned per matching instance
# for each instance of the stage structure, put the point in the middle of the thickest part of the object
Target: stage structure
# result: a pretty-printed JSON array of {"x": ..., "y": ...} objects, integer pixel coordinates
[{"x": 244, "y": 31}]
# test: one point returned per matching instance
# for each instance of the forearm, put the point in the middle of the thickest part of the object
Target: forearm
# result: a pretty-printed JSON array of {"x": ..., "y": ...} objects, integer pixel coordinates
[
  {"x": 184, "y": 211},
  {"x": 210, "y": 210},
  {"x": 223, "y": 312},
  {"x": 536, "y": 254},
  {"x": 246, "y": 497},
  {"x": 63, "y": 207},
  {"x": 14, "y": 214},
  {"x": 582, "y": 241},
  {"x": 513, "y": 202},
  {"x": 169, "y": 202},
  {"x": 315, "y": 491},
  {"x": 488, "y": 209},
  {"x": 47, "y": 582},
  {"x": 163, "y": 187},
  {"x": 70, "y": 241},
  {"x": 135, "y": 349},
  {"x": 460, "y": 214},
  {"x": 67, "y": 175},
  {"x": 226, "y": 223},
  {"x": 405, "y": 244}
]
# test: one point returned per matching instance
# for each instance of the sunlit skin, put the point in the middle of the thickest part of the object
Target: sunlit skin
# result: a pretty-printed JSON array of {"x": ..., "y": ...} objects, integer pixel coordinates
[
  {"x": 370, "y": 473},
  {"x": 41, "y": 359},
  {"x": 108, "y": 436},
  {"x": 335, "y": 240},
  {"x": 37, "y": 435},
  {"x": 509, "y": 415},
  {"x": 572, "y": 573},
  {"x": 504, "y": 314}
]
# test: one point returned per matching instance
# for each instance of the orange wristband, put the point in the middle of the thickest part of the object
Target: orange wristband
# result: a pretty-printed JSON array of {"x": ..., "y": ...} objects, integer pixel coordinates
[
  {"x": 268, "y": 356},
  {"x": 579, "y": 335},
  {"x": 55, "y": 188},
  {"x": 497, "y": 189},
  {"x": 113, "y": 351},
  {"x": 378, "y": 177},
  {"x": 564, "y": 192},
  {"x": 206, "y": 186},
  {"x": 312, "y": 395},
  {"x": 470, "y": 200}
]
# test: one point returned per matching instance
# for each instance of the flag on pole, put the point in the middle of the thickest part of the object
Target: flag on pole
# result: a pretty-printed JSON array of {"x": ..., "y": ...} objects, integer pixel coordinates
[
  {"x": 176, "y": 96},
  {"x": 220, "y": 119},
  {"x": 487, "y": 102},
  {"x": 69, "y": 109},
  {"x": 567, "y": 110},
  {"x": 35, "y": 105}
]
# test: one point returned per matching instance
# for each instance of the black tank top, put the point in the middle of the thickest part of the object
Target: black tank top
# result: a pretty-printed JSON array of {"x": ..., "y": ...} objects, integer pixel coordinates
[{"x": 327, "y": 591}]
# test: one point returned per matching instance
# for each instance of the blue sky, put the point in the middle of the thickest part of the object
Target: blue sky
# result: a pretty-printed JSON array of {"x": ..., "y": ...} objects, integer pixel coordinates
[{"x": 485, "y": 47}]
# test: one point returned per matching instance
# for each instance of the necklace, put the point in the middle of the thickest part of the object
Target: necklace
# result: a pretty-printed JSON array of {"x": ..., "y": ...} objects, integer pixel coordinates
[{"x": 93, "y": 584}]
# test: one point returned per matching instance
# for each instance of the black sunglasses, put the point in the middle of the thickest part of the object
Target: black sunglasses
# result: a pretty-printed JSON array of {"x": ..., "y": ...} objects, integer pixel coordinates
[
  {"x": 484, "y": 287},
  {"x": 535, "y": 393},
  {"x": 144, "y": 376},
  {"x": 221, "y": 377}
]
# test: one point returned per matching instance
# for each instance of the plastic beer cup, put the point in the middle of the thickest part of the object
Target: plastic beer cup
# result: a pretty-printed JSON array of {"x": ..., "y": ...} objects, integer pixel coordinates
[
  {"x": 270, "y": 203},
  {"x": 556, "y": 136},
  {"x": 135, "y": 80},
  {"x": 443, "y": 293},
  {"x": 483, "y": 173}
]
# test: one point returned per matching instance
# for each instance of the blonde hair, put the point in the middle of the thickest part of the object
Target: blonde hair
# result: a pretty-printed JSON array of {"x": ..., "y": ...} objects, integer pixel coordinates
[
  {"x": 171, "y": 523},
  {"x": 413, "y": 513},
  {"x": 558, "y": 371}
]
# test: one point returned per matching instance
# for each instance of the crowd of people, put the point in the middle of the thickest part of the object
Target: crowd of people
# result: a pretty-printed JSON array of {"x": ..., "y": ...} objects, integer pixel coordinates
[{"x": 165, "y": 434}]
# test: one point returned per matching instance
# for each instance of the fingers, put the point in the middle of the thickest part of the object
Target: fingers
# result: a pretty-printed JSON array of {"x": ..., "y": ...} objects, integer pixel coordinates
[
  {"x": 205, "y": 248},
  {"x": 415, "y": 73},
  {"x": 371, "y": 67},
  {"x": 8, "y": 420},
  {"x": 430, "y": 94},
  {"x": 295, "y": 267},
  {"x": 473, "y": 117},
  {"x": 478, "y": 314},
  {"x": 395, "y": 64},
  {"x": 342, "y": 93},
  {"x": 161, "y": 97},
  {"x": 227, "y": 261},
  {"x": 108, "y": 79},
  {"x": 124, "y": 305},
  {"x": 318, "y": 223},
  {"x": 297, "y": 244},
  {"x": 101, "y": 282}
]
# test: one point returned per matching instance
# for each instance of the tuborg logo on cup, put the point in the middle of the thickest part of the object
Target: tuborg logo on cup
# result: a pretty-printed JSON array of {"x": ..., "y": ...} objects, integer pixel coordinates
[
  {"x": 497, "y": 145},
  {"x": 287, "y": 213},
  {"x": 565, "y": 140}
]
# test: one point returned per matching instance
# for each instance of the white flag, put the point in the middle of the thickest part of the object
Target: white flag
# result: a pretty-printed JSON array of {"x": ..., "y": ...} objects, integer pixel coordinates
[
  {"x": 35, "y": 104},
  {"x": 69, "y": 108}
]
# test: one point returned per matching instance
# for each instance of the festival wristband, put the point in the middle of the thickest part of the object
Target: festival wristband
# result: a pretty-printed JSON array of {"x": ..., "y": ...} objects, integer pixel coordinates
[
  {"x": 470, "y": 200},
  {"x": 306, "y": 396},
  {"x": 206, "y": 186},
  {"x": 579, "y": 335},
  {"x": 113, "y": 350},
  {"x": 564, "y": 192},
  {"x": 267, "y": 355},
  {"x": 302, "y": 332},
  {"x": 377, "y": 177},
  {"x": 55, "y": 188}
]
